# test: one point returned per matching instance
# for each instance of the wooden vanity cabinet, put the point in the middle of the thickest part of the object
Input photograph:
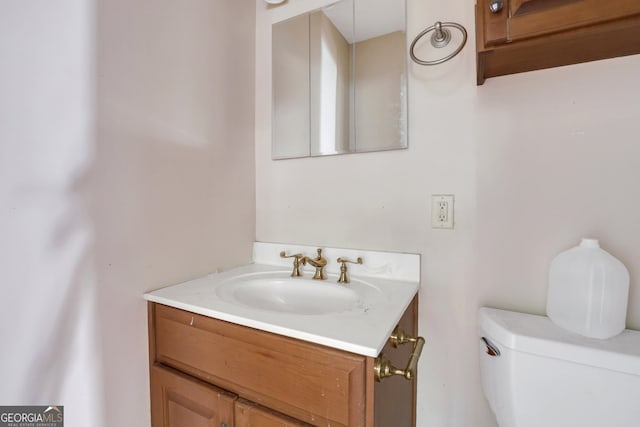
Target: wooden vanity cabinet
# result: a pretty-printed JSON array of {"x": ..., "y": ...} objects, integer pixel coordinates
[
  {"x": 204, "y": 369},
  {"x": 248, "y": 414},
  {"x": 178, "y": 400},
  {"x": 529, "y": 35}
]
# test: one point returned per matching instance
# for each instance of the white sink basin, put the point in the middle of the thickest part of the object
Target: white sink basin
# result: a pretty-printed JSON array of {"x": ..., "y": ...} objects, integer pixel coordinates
[
  {"x": 356, "y": 317},
  {"x": 278, "y": 292}
]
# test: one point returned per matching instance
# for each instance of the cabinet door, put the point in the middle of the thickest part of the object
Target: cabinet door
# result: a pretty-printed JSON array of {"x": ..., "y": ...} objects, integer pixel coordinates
[
  {"x": 521, "y": 19},
  {"x": 178, "y": 400},
  {"x": 249, "y": 414},
  {"x": 538, "y": 17}
]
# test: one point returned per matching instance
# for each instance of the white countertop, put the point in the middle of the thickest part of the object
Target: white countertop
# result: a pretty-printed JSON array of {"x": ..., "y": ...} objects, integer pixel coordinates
[{"x": 364, "y": 330}]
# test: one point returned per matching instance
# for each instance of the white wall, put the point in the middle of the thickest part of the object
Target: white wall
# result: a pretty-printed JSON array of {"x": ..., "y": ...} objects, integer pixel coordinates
[
  {"x": 126, "y": 164},
  {"x": 535, "y": 160},
  {"x": 50, "y": 353}
]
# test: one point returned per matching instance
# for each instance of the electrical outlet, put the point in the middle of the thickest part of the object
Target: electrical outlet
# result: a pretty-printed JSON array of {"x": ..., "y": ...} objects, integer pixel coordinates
[{"x": 442, "y": 210}]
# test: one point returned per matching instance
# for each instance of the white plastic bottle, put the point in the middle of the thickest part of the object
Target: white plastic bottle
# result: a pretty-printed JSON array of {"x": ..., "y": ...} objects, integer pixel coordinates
[{"x": 588, "y": 291}]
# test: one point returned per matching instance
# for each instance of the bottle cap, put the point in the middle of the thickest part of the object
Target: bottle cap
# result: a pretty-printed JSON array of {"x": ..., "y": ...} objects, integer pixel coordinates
[{"x": 589, "y": 243}]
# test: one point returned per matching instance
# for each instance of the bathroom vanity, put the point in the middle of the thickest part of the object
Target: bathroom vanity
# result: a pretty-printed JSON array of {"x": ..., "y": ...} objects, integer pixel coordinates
[{"x": 220, "y": 359}]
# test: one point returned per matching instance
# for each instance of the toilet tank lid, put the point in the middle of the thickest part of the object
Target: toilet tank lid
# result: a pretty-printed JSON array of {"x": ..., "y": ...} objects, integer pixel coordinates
[{"x": 538, "y": 335}]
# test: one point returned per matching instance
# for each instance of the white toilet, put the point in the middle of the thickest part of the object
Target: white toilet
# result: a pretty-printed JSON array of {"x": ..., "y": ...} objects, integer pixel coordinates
[{"x": 536, "y": 374}]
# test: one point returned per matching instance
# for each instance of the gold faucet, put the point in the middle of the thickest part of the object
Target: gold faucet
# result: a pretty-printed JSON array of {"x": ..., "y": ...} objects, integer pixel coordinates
[
  {"x": 319, "y": 263},
  {"x": 296, "y": 263},
  {"x": 344, "y": 275}
]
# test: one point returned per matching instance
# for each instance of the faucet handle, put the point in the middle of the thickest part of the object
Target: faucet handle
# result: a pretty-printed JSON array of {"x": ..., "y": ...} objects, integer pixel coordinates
[
  {"x": 296, "y": 263},
  {"x": 344, "y": 275}
]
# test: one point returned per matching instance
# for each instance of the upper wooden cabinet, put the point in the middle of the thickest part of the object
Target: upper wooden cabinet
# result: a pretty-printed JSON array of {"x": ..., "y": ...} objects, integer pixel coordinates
[{"x": 513, "y": 36}]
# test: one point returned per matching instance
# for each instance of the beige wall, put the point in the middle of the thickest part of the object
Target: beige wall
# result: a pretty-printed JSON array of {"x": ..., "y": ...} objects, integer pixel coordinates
[
  {"x": 174, "y": 173},
  {"x": 535, "y": 161},
  {"x": 380, "y": 101},
  {"x": 291, "y": 98}
]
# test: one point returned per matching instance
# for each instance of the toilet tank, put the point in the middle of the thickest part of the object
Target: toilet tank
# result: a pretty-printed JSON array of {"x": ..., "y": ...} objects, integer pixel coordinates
[{"x": 541, "y": 375}]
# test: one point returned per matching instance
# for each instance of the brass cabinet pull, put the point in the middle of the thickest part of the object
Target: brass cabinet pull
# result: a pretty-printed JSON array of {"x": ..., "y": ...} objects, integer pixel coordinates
[
  {"x": 399, "y": 337},
  {"x": 383, "y": 367}
]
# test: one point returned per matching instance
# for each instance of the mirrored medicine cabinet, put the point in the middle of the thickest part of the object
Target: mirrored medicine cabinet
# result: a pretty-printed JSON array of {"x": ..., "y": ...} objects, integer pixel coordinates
[{"x": 340, "y": 80}]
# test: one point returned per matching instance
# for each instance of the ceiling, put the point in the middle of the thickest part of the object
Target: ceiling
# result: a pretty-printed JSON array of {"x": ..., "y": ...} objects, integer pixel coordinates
[{"x": 373, "y": 18}]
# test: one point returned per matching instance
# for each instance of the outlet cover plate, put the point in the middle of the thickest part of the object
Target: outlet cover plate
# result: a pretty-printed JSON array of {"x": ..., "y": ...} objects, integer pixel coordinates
[{"x": 442, "y": 211}]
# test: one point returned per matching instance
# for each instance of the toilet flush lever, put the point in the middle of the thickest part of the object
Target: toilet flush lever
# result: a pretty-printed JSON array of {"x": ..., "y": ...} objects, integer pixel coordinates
[{"x": 492, "y": 350}]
